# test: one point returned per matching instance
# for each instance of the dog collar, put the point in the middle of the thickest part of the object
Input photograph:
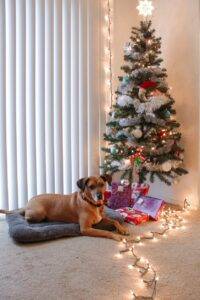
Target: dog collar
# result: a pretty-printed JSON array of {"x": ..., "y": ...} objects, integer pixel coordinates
[{"x": 97, "y": 203}]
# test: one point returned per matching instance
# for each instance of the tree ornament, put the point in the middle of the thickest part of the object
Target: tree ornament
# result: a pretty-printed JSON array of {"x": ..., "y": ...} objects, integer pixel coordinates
[
  {"x": 167, "y": 166},
  {"x": 115, "y": 164},
  {"x": 128, "y": 49},
  {"x": 148, "y": 84},
  {"x": 124, "y": 100},
  {"x": 121, "y": 134},
  {"x": 137, "y": 132},
  {"x": 124, "y": 88},
  {"x": 167, "y": 113},
  {"x": 126, "y": 79},
  {"x": 125, "y": 164},
  {"x": 124, "y": 122},
  {"x": 114, "y": 150}
]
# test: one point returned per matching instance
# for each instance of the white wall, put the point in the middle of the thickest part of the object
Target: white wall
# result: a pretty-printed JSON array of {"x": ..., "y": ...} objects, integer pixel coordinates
[{"x": 177, "y": 22}]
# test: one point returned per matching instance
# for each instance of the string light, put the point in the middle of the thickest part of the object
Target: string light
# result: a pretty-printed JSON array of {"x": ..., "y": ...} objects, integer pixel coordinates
[
  {"x": 149, "y": 277},
  {"x": 108, "y": 52}
]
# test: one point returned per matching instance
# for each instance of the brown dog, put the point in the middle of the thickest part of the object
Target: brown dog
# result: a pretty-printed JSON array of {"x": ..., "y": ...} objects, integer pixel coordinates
[{"x": 84, "y": 207}]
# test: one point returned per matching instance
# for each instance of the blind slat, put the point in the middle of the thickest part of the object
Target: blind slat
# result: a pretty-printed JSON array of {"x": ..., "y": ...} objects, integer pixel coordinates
[
  {"x": 74, "y": 92},
  {"x": 30, "y": 98},
  {"x": 83, "y": 117},
  {"x": 11, "y": 103},
  {"x": 40, "y": 95},
  {"x": 3, "y": 156},
  {"x": 21, "y": 101},
  {"x": 66, "y": 93},
  {"x": 49, "y": 91},
  {"x": 58, "y": 95}
]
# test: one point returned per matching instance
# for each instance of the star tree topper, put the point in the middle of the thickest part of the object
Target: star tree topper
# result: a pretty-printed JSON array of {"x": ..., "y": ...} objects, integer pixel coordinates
[{"x": 145, "y": 8}]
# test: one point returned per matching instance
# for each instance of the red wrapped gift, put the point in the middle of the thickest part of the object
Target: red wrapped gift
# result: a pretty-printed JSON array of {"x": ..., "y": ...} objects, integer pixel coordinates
[
  {"x": 107, "y": 195},
  {"x": 132, "y": 216}
]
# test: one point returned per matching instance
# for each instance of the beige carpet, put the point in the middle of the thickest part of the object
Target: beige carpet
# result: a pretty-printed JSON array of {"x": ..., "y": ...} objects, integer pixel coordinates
[{"x": 85, "y": 268}]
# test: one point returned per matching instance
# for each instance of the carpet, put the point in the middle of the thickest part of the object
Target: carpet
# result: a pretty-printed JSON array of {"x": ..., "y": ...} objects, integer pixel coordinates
[{"x": 85, "y": 268}]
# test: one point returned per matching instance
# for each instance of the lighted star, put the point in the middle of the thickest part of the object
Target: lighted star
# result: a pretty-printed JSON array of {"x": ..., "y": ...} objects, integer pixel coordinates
[{"x": 145, "y": 8}]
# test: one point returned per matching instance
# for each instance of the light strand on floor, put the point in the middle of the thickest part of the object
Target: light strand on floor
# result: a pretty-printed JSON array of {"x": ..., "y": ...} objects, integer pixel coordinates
[{"x": 172, "y": 219}]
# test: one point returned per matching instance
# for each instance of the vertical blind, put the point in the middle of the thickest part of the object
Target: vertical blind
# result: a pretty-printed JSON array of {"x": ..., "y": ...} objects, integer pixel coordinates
[{"x": 51, "y": 98}]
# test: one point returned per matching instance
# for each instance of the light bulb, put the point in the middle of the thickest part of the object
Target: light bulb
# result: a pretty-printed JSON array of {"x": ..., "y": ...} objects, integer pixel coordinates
[
  {"x": 118, "y": 255},
  {"x": 130, "y": 267}
]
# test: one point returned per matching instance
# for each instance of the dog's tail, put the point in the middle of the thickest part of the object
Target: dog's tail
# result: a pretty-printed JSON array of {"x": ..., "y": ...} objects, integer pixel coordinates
[
  {"x": 20, "y": 211},
  {"x": 4, "y": 211}
]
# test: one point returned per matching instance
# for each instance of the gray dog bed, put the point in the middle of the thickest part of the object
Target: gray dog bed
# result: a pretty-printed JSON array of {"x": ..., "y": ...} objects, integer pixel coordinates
[{"x": 24, "y": 232}]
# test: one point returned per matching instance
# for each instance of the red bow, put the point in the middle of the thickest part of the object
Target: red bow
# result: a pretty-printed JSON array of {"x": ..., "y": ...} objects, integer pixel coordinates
[{"x": 148, "y": 84}]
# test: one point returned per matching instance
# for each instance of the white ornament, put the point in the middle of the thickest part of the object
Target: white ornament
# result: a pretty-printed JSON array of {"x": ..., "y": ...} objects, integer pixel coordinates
[
  {"x": 124, "y": 100},
  {"x": 129, "y": 121},
  {"x": 128, "y": 49},
  {"x": 166, "y": 166},
  {"x": 137, "y": 132},
  {"x": 145, "y": 8},
  {"x": 115, "y": 163},
  {"x": 124, "y": 88},
  {"x": 125, "y": 164}
]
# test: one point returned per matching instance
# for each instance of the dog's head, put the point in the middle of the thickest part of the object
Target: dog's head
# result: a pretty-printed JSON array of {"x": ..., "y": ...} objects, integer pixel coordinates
[{"x": 94, "y": 187}]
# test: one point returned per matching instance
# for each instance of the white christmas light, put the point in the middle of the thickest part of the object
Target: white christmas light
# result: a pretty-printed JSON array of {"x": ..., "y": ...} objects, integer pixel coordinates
[
  {"x": 118, "y": 255},
  {"x": 145, "y": 8}
]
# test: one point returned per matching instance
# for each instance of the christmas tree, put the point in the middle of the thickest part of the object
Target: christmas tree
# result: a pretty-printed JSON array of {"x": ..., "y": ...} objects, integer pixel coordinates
[{"x": 142, "y": 134}]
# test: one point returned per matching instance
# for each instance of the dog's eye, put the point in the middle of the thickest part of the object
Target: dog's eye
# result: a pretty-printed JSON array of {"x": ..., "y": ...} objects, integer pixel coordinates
[{"x": 92, "y": 187}]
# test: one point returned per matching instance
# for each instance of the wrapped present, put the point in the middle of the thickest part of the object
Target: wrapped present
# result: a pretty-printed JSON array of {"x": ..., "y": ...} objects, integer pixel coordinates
[
  {"x": 107, "y": 195},
  {"x": 130, "y": 215},
  {"x": 120, "y": 195},
  {"x": 139, "y": 190},
  {"x": 150, "y": 206},
  {"x": 124, "y": 195}
]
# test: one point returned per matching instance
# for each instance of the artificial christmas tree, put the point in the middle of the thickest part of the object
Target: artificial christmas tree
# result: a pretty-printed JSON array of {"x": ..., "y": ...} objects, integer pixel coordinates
[{"x": 142, "y": 136}]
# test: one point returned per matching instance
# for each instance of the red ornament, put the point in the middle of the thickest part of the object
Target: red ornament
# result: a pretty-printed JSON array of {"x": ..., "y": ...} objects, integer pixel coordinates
[{"x": 148, "y": 84}]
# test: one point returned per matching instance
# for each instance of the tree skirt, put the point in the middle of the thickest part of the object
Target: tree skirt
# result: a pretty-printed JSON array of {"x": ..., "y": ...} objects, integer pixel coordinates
[{"x": 24, "y": 232}]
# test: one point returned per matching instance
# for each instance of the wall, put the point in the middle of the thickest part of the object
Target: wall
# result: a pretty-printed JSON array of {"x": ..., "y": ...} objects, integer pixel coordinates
[{"x": 177, "y": 22}]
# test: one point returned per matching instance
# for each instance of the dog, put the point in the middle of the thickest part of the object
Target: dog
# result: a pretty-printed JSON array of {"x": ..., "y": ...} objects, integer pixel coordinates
[{"x": 85, "y": 207}]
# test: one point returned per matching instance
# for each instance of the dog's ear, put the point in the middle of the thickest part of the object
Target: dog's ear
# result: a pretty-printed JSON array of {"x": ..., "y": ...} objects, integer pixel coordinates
[
  {"x": 107, "y": 178},
  {"x": 81, "y": 183}
]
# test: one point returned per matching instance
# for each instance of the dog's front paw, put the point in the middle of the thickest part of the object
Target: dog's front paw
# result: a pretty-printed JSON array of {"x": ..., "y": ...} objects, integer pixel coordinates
[
  {"x": 123, "y": 230},
  {"x": 117, "y": 237}
]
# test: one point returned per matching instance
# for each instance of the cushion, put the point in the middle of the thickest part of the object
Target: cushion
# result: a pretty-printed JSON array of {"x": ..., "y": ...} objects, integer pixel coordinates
[{"x": 24, "y": 232}]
